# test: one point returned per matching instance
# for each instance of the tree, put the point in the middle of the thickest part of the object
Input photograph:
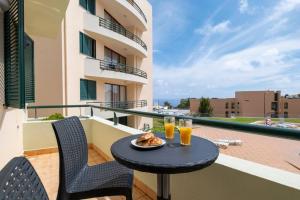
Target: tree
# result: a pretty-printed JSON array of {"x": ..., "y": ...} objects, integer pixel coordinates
[
  {"x": 184, "y": 103},
  {"x": 167, "y": 104},
  {"x": 205, "y": 108}
]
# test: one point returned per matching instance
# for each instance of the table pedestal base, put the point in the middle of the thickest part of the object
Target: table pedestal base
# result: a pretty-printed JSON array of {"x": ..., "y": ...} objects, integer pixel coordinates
[{"x": 163, "y": 187}]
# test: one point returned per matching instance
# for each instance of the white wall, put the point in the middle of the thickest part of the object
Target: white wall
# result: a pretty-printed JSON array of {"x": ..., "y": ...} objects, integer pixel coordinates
[{"x": 11, "y": 143}]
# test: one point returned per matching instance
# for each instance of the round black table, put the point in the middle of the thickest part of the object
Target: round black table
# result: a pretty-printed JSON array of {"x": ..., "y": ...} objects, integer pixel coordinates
[{"x": 172, "y": 158}]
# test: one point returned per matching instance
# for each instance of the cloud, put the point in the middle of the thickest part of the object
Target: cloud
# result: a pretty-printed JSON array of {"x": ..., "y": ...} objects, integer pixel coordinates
[
  {"x": 259, "y": 54},
  {"x": 260, "y": 66},
  {"x": 284, "y": 7},
  {"x": 243, "y": 6},
  {"x": 209, "y": 29}
]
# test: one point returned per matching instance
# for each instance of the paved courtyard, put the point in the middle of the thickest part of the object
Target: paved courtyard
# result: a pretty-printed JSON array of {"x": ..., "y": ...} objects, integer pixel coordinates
[{"x": 267, "y": 150}]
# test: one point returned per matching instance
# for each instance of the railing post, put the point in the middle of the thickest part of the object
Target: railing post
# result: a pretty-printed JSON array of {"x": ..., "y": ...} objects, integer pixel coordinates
[
  {"x": 92, "y": 112},
  {"x": 115, "y": 119}
]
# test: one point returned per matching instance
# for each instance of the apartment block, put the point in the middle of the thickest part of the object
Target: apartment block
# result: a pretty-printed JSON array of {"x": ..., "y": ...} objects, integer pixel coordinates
[
  {"x": 253, "y": 104},
  {"x": 101, "y": 55}
]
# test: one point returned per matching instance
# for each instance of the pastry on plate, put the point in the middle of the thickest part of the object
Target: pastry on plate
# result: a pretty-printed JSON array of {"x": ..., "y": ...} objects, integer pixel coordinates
[
  {"x": 156, "y": 141},
  {"x": 149, "y": 139},
  {"x": 145, "y": 137}
]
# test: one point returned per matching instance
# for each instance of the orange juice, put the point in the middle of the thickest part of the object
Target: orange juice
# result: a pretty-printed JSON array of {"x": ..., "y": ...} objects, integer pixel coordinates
[
  {"x": 185, "y": 135},
  {"x": 169, "y": 130}
]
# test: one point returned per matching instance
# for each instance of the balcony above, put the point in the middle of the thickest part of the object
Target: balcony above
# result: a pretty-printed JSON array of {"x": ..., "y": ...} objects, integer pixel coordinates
[
  {"x": 139, "y": 105},
  {"x": 109, "y": 70},
  {"x": 114, "y": 36},
  {"x": 127, "y": 12},
  {"x": 43, "y": 18}
]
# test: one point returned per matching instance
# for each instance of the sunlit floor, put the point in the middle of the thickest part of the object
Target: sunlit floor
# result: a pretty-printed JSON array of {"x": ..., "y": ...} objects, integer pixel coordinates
[{"x": 47, "y": 167}]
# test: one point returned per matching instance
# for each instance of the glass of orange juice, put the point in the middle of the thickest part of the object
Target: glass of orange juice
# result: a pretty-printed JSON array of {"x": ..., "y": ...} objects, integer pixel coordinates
[
  {"x": 185, "y": 129},
  {"x": 169, "y": 127}
]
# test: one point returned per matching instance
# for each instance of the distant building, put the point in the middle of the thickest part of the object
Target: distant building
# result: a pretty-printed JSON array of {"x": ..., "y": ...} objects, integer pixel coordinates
[{"x": 253, "y": 104}]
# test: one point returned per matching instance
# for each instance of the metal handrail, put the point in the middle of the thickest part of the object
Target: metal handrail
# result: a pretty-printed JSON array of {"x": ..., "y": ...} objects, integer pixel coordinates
[
  {"x": 250, "y": 128},
  {"x": 121, "y": 104},
  {"x": 119, "y": 67},
  {"x": 116, "y": 27},
  {"x": 132, "y": 2}
]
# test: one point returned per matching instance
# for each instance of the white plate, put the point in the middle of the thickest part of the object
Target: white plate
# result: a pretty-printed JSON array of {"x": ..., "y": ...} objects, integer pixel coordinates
[{"x": 133, "y": 142}]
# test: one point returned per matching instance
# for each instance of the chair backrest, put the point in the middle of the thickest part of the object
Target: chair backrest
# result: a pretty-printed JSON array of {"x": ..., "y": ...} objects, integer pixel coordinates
[
  {"x": 73, "y": 150},
  {"x": 19, "y": 180}
]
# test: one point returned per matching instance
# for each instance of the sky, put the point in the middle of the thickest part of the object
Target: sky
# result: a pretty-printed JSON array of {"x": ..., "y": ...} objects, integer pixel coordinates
[{"x": 212, "y": 48}]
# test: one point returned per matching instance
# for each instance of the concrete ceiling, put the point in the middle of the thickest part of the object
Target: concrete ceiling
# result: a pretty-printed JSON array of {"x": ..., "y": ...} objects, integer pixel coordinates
[{"x": 44, "y": 17}]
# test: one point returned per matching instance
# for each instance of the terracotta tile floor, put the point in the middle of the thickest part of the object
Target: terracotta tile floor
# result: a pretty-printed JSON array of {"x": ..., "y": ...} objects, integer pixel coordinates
[
  {"x": 47, "y": 168},
  {"x": 267, "y": 150}
]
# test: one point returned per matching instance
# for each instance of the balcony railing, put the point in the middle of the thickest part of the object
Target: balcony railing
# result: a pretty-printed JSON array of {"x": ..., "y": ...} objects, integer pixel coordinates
[
  {"x": 118, "y": 67},
  {"x": 250, "y": 128},
  {"x": 132, "y": 2},
  {"x": 115, "y": 27},
  {"x": 121, "y": 104}
]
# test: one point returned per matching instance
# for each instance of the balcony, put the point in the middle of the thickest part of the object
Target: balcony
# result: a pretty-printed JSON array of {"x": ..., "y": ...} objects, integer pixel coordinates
[
  {"x": 140, "y": 105},
  {"x": 113, "y": 71},
  {"x": 127, "y": 12},
  {"x": 114, "y": 35},
  {"x": 248, "y": 180}
]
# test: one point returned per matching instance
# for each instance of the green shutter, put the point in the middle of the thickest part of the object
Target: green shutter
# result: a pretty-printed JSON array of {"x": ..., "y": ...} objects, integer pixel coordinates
[
  {"x": 87, "y": 90},
  {"x": 87, "y": 45},
  {"x": 29, "y": 70},
  {"x": 92, "y": 90},
  {"x": 89, "y": 5},
  {"x": 83, "y": 89},
  {"x": 81, "y": 41},
  {"x": 14, "y": 55},
  {"x": 83, "y": 3}
]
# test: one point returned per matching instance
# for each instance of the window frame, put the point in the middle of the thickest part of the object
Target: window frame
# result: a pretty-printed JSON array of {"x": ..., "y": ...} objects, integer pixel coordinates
[
  {"x": 86, "y": 84},
  {"x": 87, "y": 6},
  {"x": 83, "y": 37},
  {"x": 119, "y": 89},
  {"x": 106, "y": 49},
  {"x": 286, "y": 105}
]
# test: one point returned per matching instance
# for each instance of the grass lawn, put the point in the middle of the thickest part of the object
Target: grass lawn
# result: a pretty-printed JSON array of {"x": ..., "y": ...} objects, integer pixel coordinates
[{"x": 158, "y": 124}]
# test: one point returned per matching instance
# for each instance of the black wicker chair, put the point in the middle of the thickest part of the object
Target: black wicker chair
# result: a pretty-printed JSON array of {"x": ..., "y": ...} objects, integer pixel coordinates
[
  {"x": 77, "y": 180},
  {"x": 18, "y": 180}
]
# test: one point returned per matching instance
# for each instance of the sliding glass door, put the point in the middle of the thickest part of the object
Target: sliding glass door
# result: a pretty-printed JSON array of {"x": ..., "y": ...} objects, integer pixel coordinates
[
  {"x": 115, "y": 95},
  {"x": 113, "y": 58}
]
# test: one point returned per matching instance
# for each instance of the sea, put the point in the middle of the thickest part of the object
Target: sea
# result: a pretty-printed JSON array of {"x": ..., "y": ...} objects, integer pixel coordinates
[{"x": 173, "y": 102}]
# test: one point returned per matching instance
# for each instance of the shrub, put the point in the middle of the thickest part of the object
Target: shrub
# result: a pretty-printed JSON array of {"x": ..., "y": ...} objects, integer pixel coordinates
[{"x": 55, "y": 116}]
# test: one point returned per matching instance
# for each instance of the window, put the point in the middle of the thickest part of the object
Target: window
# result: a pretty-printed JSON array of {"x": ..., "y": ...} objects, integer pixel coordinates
[
  {"x": 274, "y": 106},
  {"x": 87, "y": 45},
  {"x": 286, "y": 105},
  {"x": 87, "y": 90},
  {"x": 276, "y": 96},
  {"x": 115, "y": 94},
  {"x": 89, "y": 5},
  {"x": 232, "y": 105},
  {"x": 226, "y": 105},
  {"x": 113, "y": 57}
]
